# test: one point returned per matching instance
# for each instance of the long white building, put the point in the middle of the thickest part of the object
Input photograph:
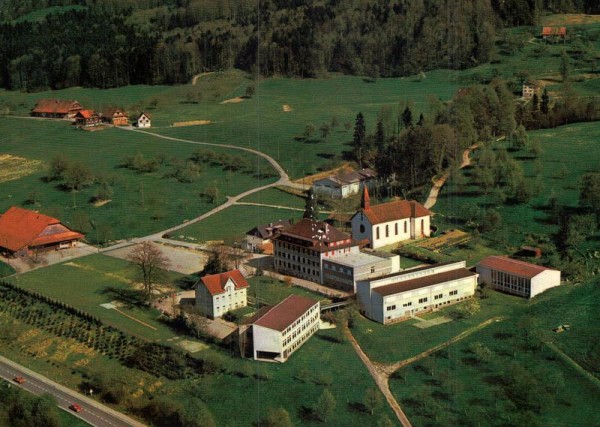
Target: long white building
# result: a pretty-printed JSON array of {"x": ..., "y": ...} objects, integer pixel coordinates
[
  {"x": 399, "y": 296},
  {"x": 275, "y": 332},
  {"x": 517, "y": 277}
]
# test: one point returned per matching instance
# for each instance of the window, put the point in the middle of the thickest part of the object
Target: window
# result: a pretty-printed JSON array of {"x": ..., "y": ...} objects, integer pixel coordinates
[
  {"x": 387, "y": 231},
  {"x": 422, "y": 300},
  {"x": 391, "y": 307},
  {"x": 405, "y": 226},
  {"x": 453, "y": 292},
  {"x": 396, "y": 228},
  {"x": 377, "y": 233},
  {"x": 407, "y": 304},
  {"x": 440, "y": 296},
  {"x": 372, "y": 269}
]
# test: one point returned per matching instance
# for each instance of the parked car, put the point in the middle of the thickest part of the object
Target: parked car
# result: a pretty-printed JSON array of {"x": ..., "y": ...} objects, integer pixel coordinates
[
  {"x": 19, "y": 380},
  {"x": 75, "y": 407}
]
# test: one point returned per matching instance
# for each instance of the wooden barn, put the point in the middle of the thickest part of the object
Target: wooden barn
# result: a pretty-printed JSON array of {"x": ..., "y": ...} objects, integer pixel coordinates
[
  {"x": 87, "y": 118},
  {"x": 115, "y": 116},
  {"x": 23, "y": 232},
  {"x": 56, "y": 108}
]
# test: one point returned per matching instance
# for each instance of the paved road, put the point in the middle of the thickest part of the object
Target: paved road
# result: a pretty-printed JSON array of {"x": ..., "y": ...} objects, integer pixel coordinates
[{"x": 93, "y": 412}]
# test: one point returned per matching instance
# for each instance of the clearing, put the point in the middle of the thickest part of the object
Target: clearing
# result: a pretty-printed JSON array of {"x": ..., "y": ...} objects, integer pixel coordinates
[{"x": 15, "y": 167}]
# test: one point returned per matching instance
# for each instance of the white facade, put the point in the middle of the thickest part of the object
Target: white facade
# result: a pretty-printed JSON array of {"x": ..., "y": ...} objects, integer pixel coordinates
[
  {"x": 335, "y": 190},
  {"x": 517, "y": 277},
  {"x": 389, "y": 233},
  {"x": 344, "y": 271},
  {"x": 143, "y": 121},
  {"x": 399, "y": 296},
  {"x": 217, "y": 305}
]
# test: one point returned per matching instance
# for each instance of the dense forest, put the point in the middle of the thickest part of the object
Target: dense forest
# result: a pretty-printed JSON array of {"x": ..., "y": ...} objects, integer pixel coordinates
[{"x": 62, "y": 43}]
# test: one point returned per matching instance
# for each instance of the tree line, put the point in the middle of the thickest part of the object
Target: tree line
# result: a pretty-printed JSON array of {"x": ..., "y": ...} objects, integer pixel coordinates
[{"x": 114, "y": 43}]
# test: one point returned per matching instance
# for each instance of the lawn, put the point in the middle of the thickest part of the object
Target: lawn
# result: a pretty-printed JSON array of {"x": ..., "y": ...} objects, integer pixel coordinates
[
  {"x": 273, "y": 291},
  {"x": 98, "y": 279},
  {"x": 234, "y": 222},
  {"x": 375, "y": 338},
  {"x": 5, "y": 269},
  {"x": 276, "y": 197},
  {"x": 141, "y": 203},
  {"x": 511, "y": 382},
  {"x": 568, "y": 153}
]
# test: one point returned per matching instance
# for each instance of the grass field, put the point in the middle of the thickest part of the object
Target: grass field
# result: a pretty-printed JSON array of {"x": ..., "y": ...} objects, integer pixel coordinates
[
  {"x": 5, "y": 269},
  {"x": 512, "y": 382},
  {"x": 97, "y": 279},
  {"x": 569, "y": 152},
  {"x": 141, "y": 202},
  {"x": 274, "y": 291},
  {"x": 276, "y": 197}
]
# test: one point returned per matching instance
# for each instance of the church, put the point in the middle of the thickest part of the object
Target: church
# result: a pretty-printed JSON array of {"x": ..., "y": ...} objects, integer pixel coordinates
[{"x": 390, "y": 223}]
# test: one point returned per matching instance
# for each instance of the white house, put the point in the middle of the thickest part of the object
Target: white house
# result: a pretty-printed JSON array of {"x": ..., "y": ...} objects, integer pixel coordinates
[
  {"x": 399, "y": 296},
  {"x": 216, "y": 294},
  {"x": 390, "y": 223},
  {"x": 275, "y": 332},
  {"x": 517, "y": 277},
  {"x": 343, "y": 184},
  {"x": 261, "y": 235},
  {"x": 143, "y": 121}
]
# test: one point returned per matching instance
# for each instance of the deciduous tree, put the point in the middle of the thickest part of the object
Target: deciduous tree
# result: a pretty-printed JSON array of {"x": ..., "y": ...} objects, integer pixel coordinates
[{"x": 151, "y": 264}]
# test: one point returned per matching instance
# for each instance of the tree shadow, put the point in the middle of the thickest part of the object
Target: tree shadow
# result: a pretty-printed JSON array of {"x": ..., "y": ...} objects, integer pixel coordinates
[
  {"x": 327, "y": 338},
  {"x": 328, "y": 156},
  {"x": 307, "y": 414},
  {"x": 356, "y": 407},
  {"x": 129, "y": 296}
]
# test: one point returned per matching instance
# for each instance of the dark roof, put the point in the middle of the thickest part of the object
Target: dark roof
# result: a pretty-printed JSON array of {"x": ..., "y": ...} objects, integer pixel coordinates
[
  {"x": 513, "y": 266},
  {"x": 316, "y": 234},
  {"x": 268, "y": 231},
  {"x": 422, "y": 282},
  {"x": 282, "y": 315},
  {"x": 56, "y": 106},
  {"x": 215, "y": 283},
  {"x": 21, "y": 227},
  {"x": 348, "y": 177}
]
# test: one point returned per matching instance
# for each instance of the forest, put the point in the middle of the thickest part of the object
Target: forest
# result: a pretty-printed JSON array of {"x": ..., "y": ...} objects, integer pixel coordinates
[{"x": 63, "y": 43}]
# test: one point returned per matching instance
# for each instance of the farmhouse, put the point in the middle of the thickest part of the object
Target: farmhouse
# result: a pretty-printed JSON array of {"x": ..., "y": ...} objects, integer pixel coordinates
[
  {"x": 554, "y": 33},
  {"x": 344, "y": 271},
  {"x": 344, "y": 183},
  {"x": 217, "y": 294},
  {"x": 399, "y": 296},
  {"x": 143, "y": 121},
  {"x": 390, "y": 223},
  {"x": 259, "y": 238},
  {"x": 299, "y": 250},
  {"x": 56, "y": 108},
  {"x": 87, "y": 118},
  {"x": 530, "y": 89},
  {"x": 275, "y": 332},
  {"x": 115, "y": 116},
  {"x": 517, "y": 277},
  {"x": 23, "y": 232}
]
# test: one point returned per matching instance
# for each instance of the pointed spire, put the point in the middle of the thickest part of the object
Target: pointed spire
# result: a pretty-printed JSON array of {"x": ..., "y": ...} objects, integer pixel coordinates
[{"x": 365, "y": 202}]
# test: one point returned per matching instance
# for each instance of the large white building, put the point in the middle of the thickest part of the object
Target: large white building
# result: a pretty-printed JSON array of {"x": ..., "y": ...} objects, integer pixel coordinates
[
  {"x": 399, "y": 296},
  {"x": 299, "y": 250},
  {"x": 275, "y": 332},
  {"x": 517, "y": 277},
  {"x": 216, "y": 294},
  {"x": 390, "y": 223}
]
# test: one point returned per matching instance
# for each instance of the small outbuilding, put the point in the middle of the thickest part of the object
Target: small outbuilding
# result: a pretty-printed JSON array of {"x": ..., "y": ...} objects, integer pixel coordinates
[
  {"x": 115, "y": 116},
  {"x": 143, "y": 121},
  {"x": 261, "y": 235},
  {"x": 344, "y": 183}
]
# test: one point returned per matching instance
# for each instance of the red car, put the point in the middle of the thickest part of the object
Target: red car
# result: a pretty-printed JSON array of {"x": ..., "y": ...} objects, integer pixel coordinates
[
  {"x": 75, "y": 407},
  {"x": 19, "y": 380}
]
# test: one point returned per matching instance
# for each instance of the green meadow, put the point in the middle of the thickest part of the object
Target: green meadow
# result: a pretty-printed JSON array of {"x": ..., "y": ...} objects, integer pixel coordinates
[{"x": 87, "y": 282}]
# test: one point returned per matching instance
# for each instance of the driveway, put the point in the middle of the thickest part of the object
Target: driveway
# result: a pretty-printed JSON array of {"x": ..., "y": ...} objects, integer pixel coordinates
[{"x": 25, "y": 264}]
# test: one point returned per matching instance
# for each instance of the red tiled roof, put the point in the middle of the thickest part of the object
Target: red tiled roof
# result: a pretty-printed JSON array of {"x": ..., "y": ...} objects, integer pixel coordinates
[
  {"x": 422, "y": 282},
  {"x": 512, "y": 266},
  {"x": 282, "y": 315},
  {"x": 113, "y": 112},
  {"x": 56, "y": 106},
  {"x": 315, "y": 234},
  {"x": 392, "y": 211},
  {"x": 215, "y": 283},
  {"x": 86, "y": 114},
  {"x": 21, "y": 227},
  {"x": 554, "y": 31}
]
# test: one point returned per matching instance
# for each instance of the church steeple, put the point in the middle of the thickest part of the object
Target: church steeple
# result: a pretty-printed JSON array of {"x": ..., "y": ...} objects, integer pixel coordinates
[{"x": 365, "y": 202}]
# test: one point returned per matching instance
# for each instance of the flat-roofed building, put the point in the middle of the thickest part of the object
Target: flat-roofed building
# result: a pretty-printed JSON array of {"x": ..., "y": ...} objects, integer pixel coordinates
[
  {"x": 275, "y": 332},
  {"x": 343, "y": 271},
  {"x": 399, "y": 296},
  {"x": 517, "y": 277}
]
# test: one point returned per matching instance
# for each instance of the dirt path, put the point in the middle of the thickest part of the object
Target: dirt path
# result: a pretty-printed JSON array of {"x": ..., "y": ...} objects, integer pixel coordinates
[
  {"x": 271, "y": 206},
  {"x": 381, "y": 380},
  {"x": 439, "y": 183},
  {"x": 197, "y": 76},
  {"x": 584, "y": 372},
  {"x": 388, "y": 370}
]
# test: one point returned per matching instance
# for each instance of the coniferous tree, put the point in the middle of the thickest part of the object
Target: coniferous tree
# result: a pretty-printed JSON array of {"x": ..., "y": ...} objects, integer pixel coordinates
[
  {"x": 545, "y": 104},
  {"x": 359, "y": 141}
]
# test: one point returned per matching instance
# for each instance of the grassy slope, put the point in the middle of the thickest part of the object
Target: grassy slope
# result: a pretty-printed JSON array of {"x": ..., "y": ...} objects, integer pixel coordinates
[
  {"x": 95, "y": 280},
  {"x": 5, "y": 269}
]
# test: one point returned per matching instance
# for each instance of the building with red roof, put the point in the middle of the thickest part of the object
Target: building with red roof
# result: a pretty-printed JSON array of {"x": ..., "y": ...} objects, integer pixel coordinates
[
  {"x": 554, "y": 32},
  {"x": 56, "y": 108},
  {"x": 87, "y": 118},
  {"x": 275, "y": 332},
  {"x": 217, "y": 294},
  {"x": 299, "y": 250},
  {"x": 390, "y": 223},
  {"x": 115, "y": 116},
  {"x": 399, "y": 296},
  {"x": 517, "y": 277},
  {"x": 23, "y": 232}
]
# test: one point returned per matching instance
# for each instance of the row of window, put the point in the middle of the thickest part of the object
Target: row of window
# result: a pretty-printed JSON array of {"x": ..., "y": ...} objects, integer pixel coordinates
[
  {"x": 300, "y": 341},
  {"x": 228, "y": 307},
  {"x": 300, "y": 319},
  {"x": 422, "y": 300}
]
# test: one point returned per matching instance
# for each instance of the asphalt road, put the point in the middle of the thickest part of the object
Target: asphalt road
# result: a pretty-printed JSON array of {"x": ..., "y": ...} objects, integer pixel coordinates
[{"x": 93, "y": 412}]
